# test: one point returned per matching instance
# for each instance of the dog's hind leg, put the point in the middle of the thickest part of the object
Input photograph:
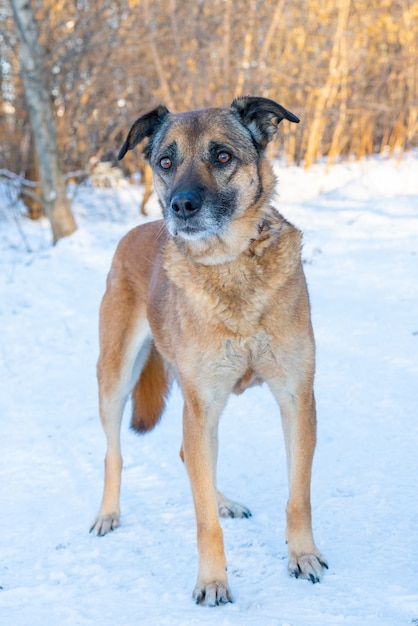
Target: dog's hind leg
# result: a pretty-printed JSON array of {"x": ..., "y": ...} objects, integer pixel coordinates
[
  {"x": 226, "y": 507},
  {"x": 229, "y": 508},
  {"x": 124, "y": 348}
]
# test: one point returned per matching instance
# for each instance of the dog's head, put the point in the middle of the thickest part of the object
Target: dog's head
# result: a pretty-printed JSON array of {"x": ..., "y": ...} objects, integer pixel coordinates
[{"x": 206, "y": 163}]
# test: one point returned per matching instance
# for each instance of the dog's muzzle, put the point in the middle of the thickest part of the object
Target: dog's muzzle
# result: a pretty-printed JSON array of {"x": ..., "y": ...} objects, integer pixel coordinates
[
  {"x": 185, "y": 204},
  {"x": 185, "y": 217}
]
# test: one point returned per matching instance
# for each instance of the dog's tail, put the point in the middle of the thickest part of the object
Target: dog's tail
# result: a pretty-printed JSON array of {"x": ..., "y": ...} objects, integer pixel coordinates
[{"x": 150, "y": 394}]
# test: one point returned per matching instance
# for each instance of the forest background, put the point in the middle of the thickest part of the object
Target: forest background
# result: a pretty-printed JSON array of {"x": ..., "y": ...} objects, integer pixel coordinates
[{"x": 349, "y": 71}]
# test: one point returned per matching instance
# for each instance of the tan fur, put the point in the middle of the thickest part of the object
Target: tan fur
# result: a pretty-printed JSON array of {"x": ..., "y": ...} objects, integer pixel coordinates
[
  {"x": 220, "y": 313},
  {"x": 150, "y": 393}
]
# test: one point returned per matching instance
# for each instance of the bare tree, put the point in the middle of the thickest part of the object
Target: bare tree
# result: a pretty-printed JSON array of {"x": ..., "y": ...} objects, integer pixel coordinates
[
  {"x": 350, "y": 74},
  {"x": 53, "y": 188}
]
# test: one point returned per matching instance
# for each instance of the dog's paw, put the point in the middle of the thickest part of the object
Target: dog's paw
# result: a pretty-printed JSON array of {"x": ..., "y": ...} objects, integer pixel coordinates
[
  {"x": 104, "y": 524},
  {"x": 309, "y": 566},
  {"x": 229, "y": 508},
  {"x": 212, "y": 594},
  {"x": 233, "y": 509}
]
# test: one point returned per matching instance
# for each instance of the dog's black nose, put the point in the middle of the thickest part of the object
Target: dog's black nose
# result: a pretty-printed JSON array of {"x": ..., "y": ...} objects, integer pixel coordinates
[{"x": 185, "y": 204}]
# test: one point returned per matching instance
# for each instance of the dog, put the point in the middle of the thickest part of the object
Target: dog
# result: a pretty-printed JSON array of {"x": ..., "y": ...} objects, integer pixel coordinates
[{"x": 213, "y": 296}]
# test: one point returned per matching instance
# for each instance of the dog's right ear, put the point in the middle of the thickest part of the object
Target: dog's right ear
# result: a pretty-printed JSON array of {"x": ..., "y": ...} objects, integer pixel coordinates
[{"x": 145, "y": 126}]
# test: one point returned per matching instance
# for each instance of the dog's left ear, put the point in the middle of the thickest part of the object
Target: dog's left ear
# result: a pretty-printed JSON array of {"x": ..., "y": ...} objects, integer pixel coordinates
[
  {"x": 144, "y": 126},
  {"x": 261, "y": 116}
]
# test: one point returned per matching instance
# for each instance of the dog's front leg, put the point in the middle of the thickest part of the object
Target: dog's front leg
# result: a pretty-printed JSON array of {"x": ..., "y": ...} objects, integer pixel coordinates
[
  {"x": 199, "y": 435},
  {"x": 111, "y": 410},
  {"x": 124, "y": 348},
  {"x": 299, "y": 427}
]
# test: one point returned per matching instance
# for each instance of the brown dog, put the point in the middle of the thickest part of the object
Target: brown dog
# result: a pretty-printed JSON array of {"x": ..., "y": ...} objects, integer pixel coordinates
[{"x": 215, "y": 297}]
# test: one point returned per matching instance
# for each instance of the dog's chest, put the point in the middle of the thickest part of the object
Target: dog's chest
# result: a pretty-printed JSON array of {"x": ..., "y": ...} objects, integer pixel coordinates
[
  {"x": 232, "y": 297},
  {"x": 239, "y": 298}
]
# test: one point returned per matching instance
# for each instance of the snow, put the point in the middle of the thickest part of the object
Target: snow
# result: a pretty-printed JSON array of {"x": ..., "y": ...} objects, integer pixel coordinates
[{"x": 360, "y": 223}]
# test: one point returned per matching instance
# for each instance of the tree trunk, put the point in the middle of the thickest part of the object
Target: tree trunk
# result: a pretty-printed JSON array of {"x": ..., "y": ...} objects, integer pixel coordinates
[
  {"x": 38, "y": 99},
  {"x": 156, "y": 54},
  {"x": 245, "y": 66}
]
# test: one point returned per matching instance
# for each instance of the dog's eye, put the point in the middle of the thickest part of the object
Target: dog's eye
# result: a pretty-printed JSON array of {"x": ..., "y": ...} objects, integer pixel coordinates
[
  {"x": 223, "y": 157},
  {"x": 166, "y": 163}
]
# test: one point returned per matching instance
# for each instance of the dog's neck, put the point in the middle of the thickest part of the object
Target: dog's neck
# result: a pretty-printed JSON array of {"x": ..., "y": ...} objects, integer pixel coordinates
[
  {"x": 246, "y": 236},
  {"x": 236, "y": 292},
  {"x": 262, "y": 225}
]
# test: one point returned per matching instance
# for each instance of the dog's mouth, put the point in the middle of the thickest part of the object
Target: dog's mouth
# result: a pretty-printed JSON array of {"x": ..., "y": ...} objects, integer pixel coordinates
[
  {"x": 193, "y": 217},
  {"x": 192, "y": 229},
  {"x": 189, "y": 232}
]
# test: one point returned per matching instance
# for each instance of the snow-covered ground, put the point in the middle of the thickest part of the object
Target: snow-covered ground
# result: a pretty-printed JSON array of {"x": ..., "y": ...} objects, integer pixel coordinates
[{"x": 360, "y": 222}]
